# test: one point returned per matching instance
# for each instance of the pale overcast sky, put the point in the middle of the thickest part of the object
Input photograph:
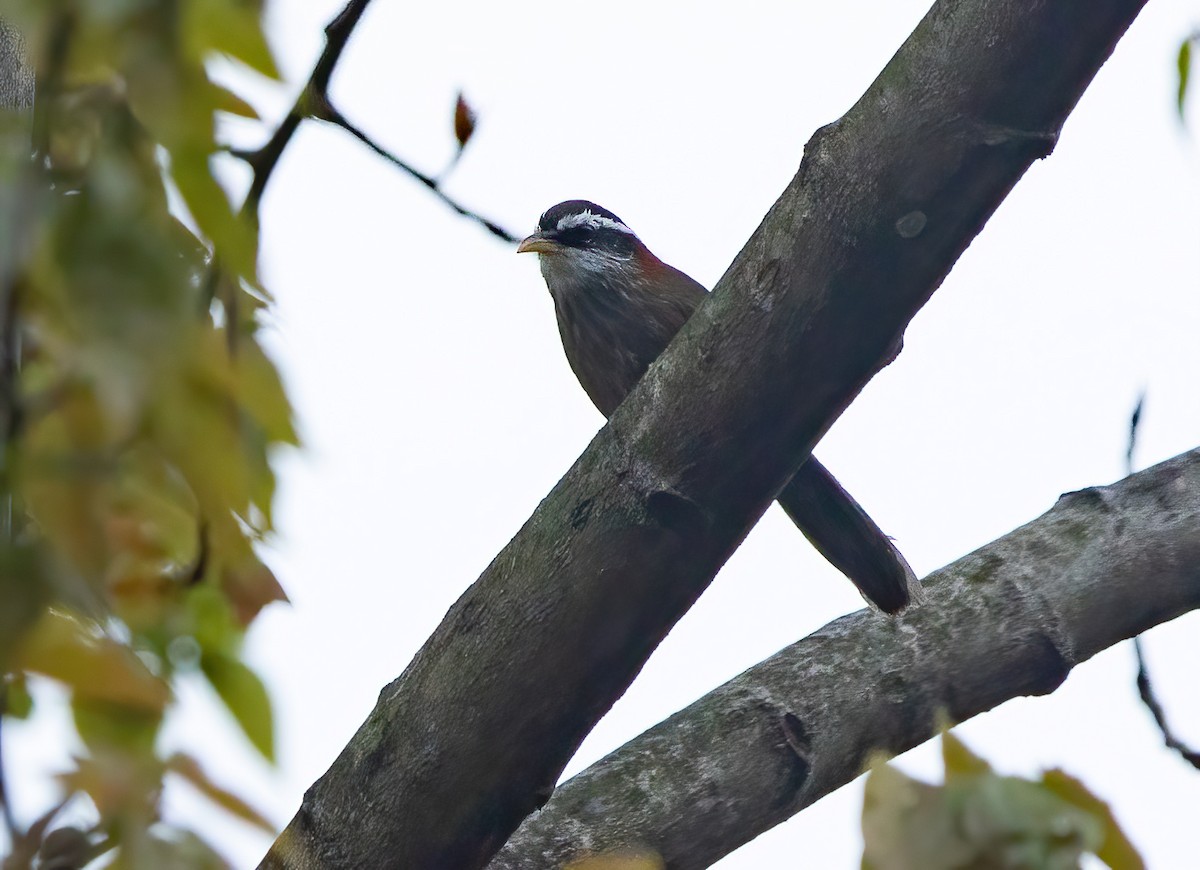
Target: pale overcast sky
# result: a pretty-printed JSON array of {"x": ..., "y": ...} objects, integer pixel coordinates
[{"x": 438, "y": 409}]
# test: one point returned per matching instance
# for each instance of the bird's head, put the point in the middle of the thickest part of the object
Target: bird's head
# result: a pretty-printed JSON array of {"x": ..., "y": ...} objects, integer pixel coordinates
[
  {"x": 578, "y": 242},
  {"x": 616, "y": 303}
]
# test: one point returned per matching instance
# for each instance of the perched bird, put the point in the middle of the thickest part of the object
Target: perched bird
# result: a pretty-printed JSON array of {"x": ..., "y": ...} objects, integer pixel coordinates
[{"x": 618, "y": 307}]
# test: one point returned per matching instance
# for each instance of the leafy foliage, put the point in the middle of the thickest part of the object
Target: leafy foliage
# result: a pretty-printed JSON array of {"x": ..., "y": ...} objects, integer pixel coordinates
[
  {"x": 982, "y": 820},
  {"x": 1183, "y": 67},
  {"x": 139, "y": 411}
]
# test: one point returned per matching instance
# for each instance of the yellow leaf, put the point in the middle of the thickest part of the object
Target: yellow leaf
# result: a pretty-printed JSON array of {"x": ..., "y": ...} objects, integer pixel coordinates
[
  {"x": 196, "y": 422},
  {"x": 153, "y": 513},
  {"x": 189, "y": 769},
  {"x": 225, "y": 100},
  {"x": 1117, "y": 851},
  {"x": 120, "y": 784},
  {"x": 231, "y": 27},
  {"x": 93, "y": 665},
  {"x": 262, "y": 395},
  {"x": 62, "y": 477}
]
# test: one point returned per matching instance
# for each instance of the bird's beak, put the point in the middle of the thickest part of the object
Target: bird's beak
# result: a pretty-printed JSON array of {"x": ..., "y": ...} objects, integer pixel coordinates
[{"x": 538, "y": 243}]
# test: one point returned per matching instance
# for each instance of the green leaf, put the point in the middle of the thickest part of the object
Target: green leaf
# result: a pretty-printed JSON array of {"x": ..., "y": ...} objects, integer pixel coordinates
[
  {"x": 231, "y": 27},
  {"x": 262, "y": 394},
  {"x": 212, "y": 623},
  {"x": 959, "y": 760},
  {"x": 26, "y": 584},
  {"x": 246, "y": 698},
  {"x": 18, "y": 703},
  {"x": 1184, "y": 65},
  {"x": 984, "y": 820},
  {"x": 234, "y": 237},
  {"x": 907, "y": 825},
  {"x": 107, "y": 727},
  {"x": 1117, "y": 851}
]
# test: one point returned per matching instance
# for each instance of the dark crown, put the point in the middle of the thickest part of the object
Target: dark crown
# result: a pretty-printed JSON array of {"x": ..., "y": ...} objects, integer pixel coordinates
[{"x": 578, "y": 210}]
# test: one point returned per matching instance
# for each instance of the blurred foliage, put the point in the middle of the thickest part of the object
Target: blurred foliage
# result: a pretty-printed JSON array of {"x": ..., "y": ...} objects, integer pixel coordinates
[
  {"x": 137, "y": 408},
  {"x": 1183, "y": 66},
  {"x": 979, "y": 819}
]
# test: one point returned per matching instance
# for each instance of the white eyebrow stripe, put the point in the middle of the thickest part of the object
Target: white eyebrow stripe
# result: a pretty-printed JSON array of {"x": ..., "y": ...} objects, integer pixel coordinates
[{"x": 595, "y": 221}]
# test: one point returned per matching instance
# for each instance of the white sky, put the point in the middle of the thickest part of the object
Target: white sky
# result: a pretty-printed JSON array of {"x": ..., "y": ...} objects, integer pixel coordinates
[{"x": 438, "y": 409}]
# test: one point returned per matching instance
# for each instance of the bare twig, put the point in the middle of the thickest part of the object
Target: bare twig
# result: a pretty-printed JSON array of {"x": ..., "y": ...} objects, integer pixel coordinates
[
  {"x": 1146, "y": 691},
  {"x": 314, "y": 102},
  {"x": 331, "y": 115},
  {"x": 1135, "y": 420},
  {"x": 264, "y": 160}
]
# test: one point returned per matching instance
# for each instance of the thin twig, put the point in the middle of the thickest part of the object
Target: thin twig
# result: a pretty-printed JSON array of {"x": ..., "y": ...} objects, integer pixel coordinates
[
  {"x": 331, "y": 115},
  {"x": 314, "y": 102},
  {"x": 1146, "y": 691},
  {"x": 264, "y": 160},
  {"x": 1135, "y": 420}
]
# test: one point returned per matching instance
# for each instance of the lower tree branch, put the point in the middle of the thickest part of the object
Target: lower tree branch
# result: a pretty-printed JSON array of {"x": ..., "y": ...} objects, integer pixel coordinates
[{"x": 1010, "y": 619}]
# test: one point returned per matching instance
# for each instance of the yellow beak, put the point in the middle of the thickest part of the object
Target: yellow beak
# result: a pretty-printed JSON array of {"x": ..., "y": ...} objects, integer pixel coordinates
[{"x": 538, "y": 244}]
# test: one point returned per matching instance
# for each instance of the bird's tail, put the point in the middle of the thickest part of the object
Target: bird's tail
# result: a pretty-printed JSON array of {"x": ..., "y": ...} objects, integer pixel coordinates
[{"x": 842, "y": 532}]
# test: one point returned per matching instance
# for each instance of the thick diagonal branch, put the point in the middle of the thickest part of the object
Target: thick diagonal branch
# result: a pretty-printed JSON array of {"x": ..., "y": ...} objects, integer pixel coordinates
[
  {"x": 473, "y": 735},
  {"x": 1010, "y": 619}
]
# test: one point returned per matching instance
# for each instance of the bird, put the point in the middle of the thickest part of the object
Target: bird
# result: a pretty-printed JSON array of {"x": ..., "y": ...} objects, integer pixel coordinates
[{"x": 618, "y": 306}]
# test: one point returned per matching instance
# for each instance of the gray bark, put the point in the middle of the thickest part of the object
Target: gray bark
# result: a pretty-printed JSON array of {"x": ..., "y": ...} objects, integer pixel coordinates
[
  {"x": 1010, "y": 619},
  {"x": 16, "y": 78},
  {"x": 473, "y": 735},
  {"x": 16, "y": 126},
  {"x": 16, "y": 108}
]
